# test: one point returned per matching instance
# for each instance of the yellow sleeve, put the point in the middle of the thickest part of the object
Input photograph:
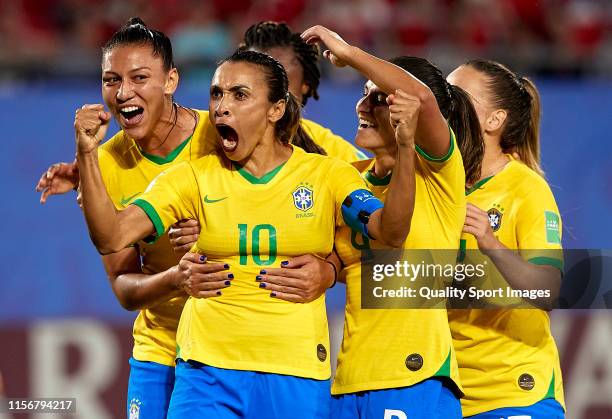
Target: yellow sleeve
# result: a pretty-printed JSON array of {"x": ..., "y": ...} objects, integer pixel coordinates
[
  {"x": 334, "y": 145},
  {"x": 538, "y": 227},
  {"x": 343, "y": 180},
  {"x": 445, "y": 174},
  {"x": 170, "y": 197}
]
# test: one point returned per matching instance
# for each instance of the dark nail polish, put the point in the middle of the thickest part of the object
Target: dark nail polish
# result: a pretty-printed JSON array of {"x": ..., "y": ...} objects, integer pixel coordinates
[
  {"x": 258, "y": 278},
  {"x": 284, "y": 262},
  {"x": 262, "y": 285},
  {"x": 272, "y": 294},
  {"x": 202, "y": 258},
  {"x": 226, "y": 266},
  {"x": 230, "y": 276},
  {"x": 218, "y": 292},
  {"x": 227, "y": 282},
  {"x": 263, "y": 272}
]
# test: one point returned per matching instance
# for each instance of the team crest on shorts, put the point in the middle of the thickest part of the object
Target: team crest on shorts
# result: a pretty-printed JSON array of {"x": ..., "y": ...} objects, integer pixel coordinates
[
  {"x": 495, "y": 216},
  {"x": 135, "y": 409},
  {"x": 303, "y": 197}
]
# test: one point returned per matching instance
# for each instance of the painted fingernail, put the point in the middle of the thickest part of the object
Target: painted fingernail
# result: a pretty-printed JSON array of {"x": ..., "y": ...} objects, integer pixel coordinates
[
  {"x": 228, "y": 282},
  {"x": 262, "y": 285},
  {"x": 226, "y": 266},
  {"x": 284, "y": 262},
  {"x": 202, "y": 258},
  {"x": 272, "y": 294},
  {"x": 218, "y": 292},
  {"x": 258, "y": 278},
  {"x": 263, "y": 272},
  {"x": 230, "y": 276}
]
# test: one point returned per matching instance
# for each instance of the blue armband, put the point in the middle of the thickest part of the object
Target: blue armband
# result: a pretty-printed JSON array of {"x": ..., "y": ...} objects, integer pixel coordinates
[{"x": 357, "y": 208}]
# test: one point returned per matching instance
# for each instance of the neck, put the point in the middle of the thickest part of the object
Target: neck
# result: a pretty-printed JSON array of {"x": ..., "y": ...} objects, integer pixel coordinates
[
  {"x": 267, "y": 155},
  {"x": 494, "y": 158},
  {"x": 384, "y": 160},
  {"x": 176, "y": 125}
]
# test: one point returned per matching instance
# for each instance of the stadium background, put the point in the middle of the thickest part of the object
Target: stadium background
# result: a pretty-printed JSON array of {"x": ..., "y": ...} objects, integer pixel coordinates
[{"x": 63, "y": 334}]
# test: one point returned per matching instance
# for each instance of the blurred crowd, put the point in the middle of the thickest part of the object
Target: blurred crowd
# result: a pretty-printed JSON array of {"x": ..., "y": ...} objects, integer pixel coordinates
[{"x": 62, "y": 38}]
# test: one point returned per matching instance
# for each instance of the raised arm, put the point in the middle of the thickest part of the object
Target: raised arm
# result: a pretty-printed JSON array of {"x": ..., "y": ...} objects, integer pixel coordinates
[
  {"x": 110, "y": 230},
  {"x": 432, "y": 133}
]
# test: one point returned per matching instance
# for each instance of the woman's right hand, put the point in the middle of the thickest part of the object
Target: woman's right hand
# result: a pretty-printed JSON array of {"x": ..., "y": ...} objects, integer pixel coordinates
[
  {"x": 338, "y": 51},
  {"x": 200, "y": 279},
  {"x": 90, "y": 125},
  {"x": 183, "y": 235}
]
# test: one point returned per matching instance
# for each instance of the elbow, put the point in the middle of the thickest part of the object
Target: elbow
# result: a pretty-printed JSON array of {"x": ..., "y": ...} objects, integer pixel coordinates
[
  {"x": 106, "y": 247},
  {"x": 127, "y": 301},
  {"x": 396, "y": 239}
]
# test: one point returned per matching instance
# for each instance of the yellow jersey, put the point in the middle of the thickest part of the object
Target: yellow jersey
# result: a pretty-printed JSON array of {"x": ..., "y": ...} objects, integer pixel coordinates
[
  {"x": 126, "y": 172},
  {"x": 508, "y": 358},
  {"x": 334, "y": 145},
  {"x": 253, "y": 223},
  {"x": 390, "y": 348}
]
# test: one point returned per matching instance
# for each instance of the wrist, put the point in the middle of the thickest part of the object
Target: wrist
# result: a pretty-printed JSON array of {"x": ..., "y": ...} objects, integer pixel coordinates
[{"x": 333, "y": 274}]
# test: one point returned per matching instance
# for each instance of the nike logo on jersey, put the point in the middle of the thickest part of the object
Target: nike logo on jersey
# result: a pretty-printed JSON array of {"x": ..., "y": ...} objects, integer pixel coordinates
[
  {"x": 124, "y": 201},
  {"x": 212, "y": 201}
]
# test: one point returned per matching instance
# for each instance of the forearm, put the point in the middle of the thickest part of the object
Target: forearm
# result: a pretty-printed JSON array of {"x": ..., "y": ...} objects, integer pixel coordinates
[
  {"x": 392, "y": 223},
  {"x": 137, "y": 291},
  {"x": 522, "y": 275},
  {"x": 108, "y": 228}
]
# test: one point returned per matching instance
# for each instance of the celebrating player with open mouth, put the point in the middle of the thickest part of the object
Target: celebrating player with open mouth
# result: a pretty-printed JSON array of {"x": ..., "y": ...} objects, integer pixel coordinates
[{"x": 259, "y": 200}]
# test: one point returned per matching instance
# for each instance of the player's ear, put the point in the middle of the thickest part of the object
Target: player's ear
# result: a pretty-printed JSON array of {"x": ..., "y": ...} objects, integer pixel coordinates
[
  {"x": 172, "y": 79},
  {"x": 277, "y": 110},
  {"x": 495, "y": 121}
]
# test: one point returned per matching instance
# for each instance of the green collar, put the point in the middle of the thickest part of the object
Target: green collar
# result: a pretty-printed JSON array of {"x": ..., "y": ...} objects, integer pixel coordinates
[
  {"x": 170, "y": 157},
  {"x": 477, "y": 185},
  {"x": 258, "y": 180}
]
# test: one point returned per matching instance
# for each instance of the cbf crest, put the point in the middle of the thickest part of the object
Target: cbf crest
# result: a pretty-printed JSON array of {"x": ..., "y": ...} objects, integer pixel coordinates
[
  {"x": 495, "y": 216},
  {"x": 303, "y": 197}
]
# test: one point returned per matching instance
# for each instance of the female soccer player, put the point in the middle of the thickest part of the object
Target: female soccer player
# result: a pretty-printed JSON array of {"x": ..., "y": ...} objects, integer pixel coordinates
[
  {"x": 261, "y": 199},
  {"x": 508, "y": 360},
  {"x": 396, "y": 362},
  {"x": 300, "y": 60}
]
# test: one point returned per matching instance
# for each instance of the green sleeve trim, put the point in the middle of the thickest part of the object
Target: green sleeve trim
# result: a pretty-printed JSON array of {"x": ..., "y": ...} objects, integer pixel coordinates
[
  {"x": 170, "y": 157},
  {"x": 154, "y": 217},
  {"x": 258, "y": 180},
  {"x": 543, "y": 260},
  {"x": 443, "y": 158},
  {"x": 369, "y": 176},
  {"x": 477, "y": 185}
]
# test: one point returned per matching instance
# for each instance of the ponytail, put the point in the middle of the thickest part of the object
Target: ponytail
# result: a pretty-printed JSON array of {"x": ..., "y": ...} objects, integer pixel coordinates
[{"x": 529, "y": 150}]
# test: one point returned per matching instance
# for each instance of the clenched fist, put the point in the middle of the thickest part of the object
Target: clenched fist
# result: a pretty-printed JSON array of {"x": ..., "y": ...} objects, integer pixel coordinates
[
  {"x": 404, "y": 115},
  {"x": 90, "y": 126}
]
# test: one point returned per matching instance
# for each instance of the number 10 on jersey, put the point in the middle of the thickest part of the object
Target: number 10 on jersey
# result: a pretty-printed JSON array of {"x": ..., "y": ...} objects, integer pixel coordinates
[{"x": 256, "y": 234}]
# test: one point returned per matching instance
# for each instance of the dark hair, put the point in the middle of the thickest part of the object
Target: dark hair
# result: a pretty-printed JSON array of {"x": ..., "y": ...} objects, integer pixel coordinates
[
  {"x": 456, "y": 106},
  {"x": 264, "y": 36},
  {"x": 135, "y": 32},
  {"x": 288, "y": 128},
  {"x": 519, "y": 97}
]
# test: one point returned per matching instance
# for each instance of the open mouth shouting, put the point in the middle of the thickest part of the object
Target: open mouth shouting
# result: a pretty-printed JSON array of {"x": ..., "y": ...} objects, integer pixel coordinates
[
  {"x": 131, "y": 115},
  {"x": 364, "y": 123},
  {"x": 229, "y": 137}
]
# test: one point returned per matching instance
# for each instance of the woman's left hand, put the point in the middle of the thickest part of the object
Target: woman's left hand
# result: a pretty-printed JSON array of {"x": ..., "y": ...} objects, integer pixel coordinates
[
  {"x": 299, "y": 280},
  {"x": 338, "y": 51},
  {"x": 404, "y": 112}
]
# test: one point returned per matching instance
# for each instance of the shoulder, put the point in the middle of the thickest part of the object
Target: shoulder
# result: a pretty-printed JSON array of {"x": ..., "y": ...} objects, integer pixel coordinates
[{"x": 526, "y": 181}]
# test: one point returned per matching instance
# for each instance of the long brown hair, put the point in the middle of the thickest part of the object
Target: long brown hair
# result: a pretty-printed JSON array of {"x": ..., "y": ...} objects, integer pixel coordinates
[{"x": 519, "y": 97}]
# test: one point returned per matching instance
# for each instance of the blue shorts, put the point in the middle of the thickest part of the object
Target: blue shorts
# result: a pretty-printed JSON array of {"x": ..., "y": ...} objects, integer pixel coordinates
[
  {"x": 545, "y": 409},
  {"x": 429, "y": 399},
  {"x": 149, "y": 389},
  {"x": 202, "y": 391}
]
